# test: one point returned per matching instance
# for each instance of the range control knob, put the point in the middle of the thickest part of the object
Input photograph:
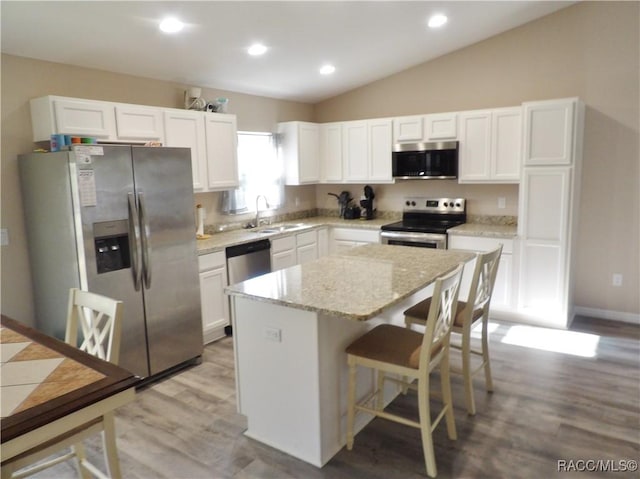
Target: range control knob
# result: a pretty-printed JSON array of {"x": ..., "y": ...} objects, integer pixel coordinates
[
  {"x": 407, "y": 203},
  {"x": 446, "y": 204},
  {"x": 458, "y": 205},
  {"x": 413, "y": 203}
]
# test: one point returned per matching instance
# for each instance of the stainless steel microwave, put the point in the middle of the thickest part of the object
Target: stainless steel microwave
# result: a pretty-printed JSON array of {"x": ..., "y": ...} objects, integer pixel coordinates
[{"x": 429, "y": 161}]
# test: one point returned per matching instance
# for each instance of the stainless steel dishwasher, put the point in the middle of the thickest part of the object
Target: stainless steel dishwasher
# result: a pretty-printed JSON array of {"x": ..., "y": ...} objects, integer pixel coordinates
[{"x": 246, "y": 261}]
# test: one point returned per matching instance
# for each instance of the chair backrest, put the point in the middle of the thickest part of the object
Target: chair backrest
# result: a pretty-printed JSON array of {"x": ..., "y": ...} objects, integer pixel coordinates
[
  {"x": 100, "y": 321},
  {"x": 441, "y": 314},
  {"x": 484, "y": 277}
]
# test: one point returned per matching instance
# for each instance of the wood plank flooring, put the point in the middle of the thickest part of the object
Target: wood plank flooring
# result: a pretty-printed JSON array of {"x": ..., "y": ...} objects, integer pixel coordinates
[{"x": 547, "y": 406}]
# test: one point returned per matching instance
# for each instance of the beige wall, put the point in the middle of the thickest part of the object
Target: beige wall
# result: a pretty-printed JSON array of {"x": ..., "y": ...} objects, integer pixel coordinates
[
  {"x": 589, "y": 50},
  {"x": 23, "y": 79}
]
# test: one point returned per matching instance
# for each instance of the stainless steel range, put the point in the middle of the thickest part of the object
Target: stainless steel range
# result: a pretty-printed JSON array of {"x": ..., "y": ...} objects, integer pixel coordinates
[{"x": 425, "y": 222}]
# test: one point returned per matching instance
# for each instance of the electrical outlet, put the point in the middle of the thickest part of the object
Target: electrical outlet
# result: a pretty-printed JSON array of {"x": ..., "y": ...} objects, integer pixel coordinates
[
  {"x": 4, "y": 237},
  {"x": 273, "y": 334},
  {"x": 617, "y": 279},
  {"x": 502, "y": 202}
]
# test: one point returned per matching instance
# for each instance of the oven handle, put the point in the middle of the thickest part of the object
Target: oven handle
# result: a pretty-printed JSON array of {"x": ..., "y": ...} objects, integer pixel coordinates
[{"x": 413, "y": 237}]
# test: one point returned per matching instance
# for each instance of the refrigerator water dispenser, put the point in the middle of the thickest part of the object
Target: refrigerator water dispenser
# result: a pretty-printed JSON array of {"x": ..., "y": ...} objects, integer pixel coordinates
[{"x": 111, "y": 245}]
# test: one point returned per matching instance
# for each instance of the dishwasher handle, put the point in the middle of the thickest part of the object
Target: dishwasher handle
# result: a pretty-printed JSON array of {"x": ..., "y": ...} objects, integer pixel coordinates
[{"x": 247, "y": 248}]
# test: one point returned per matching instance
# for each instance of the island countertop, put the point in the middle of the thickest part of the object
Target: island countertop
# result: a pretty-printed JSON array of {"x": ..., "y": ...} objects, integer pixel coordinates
[{"x": 358, "y": 284}]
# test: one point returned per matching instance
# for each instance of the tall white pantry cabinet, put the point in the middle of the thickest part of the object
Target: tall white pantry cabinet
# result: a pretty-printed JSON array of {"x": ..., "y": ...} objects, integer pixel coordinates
[{"x": 549, "y": 190}]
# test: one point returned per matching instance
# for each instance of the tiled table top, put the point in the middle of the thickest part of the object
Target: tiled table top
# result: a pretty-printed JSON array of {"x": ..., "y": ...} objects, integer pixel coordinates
[
  {"x": 32, "y": 374},
  {"x": 44, "y": 380}
]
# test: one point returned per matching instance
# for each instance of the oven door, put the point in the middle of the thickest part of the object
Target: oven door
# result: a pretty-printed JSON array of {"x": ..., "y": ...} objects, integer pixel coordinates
[{"x": 421, "y": 240}]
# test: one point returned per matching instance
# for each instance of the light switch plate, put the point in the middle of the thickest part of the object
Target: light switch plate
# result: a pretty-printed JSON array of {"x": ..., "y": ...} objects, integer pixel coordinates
[{"x": 4, "y": 237}]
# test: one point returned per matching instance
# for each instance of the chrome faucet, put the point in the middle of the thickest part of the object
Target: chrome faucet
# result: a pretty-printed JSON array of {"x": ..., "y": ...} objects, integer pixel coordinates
[{"x": 266, "y": 203}]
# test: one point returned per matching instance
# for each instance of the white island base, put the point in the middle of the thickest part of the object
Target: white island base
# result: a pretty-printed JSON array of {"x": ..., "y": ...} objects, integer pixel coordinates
[
  {"x": 292, "y": 379},
  {"x": 292, "y": 326}
]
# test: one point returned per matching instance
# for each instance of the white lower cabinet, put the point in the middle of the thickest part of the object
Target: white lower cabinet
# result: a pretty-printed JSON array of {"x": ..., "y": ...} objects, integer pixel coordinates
[
  {"x": 214, "y": 302},
  {"x": 503, "y": 291},
  {"x": 306, "y": 246},
  {"x": 287, "y": 251},
  {"x": 544, "y": 274},
  {"x": 323, "y": 242},
  {"x": 283, "y": 252},
  {"x": 346, "y": 238}
]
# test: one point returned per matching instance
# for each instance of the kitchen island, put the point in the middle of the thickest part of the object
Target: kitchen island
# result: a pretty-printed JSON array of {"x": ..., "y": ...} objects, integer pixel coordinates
[{"x": 291, "y": 328}]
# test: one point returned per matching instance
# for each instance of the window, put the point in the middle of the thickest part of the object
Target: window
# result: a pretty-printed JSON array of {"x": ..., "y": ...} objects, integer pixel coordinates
[{"x": 260, "y": 173}]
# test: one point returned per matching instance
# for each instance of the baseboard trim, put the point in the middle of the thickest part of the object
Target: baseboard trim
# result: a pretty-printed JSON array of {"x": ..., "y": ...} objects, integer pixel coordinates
[{"x": 622, "y": 316}]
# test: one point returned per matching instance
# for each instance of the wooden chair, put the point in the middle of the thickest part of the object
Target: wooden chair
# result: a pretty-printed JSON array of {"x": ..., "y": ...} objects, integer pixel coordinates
[
  {"x": 100, "y": 320},
  {"x": 404, "y": 353},
  {"x": 484, "y": 277}
]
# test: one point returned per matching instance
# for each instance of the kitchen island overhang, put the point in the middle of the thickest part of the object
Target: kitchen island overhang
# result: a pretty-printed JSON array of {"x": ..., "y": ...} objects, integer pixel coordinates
[{"x": 291, "y": 328}]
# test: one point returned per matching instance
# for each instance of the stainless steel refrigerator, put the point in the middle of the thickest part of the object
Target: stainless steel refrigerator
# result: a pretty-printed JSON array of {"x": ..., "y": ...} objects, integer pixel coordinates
[{"x": 117, "y": 220}]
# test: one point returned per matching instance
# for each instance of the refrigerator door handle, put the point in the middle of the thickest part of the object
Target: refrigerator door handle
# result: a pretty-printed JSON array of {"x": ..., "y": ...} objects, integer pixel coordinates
[
  {"x": 134, "y": 241},
  {"x": 146, "y": 249}
]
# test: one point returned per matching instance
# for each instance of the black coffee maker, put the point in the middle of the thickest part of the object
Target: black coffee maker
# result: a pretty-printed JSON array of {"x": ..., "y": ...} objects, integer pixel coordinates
[{"x": 367, "y": 202}]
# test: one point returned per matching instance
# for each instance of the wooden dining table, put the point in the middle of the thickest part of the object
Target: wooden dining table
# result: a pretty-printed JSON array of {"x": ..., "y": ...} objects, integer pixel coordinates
[{"x": 49, "y": 388}]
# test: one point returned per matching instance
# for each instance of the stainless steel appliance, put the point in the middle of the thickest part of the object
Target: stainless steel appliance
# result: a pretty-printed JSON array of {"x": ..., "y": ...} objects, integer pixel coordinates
[
  {"x": 118, "y": 221},
  {"x": 426, "y": 161},
  {"x": 246, "y": 261},
  {"x": 425, "y": 222}
]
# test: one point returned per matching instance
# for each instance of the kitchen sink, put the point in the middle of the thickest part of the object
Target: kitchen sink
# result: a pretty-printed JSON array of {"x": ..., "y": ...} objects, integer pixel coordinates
[{"x": 280, "y": 229}]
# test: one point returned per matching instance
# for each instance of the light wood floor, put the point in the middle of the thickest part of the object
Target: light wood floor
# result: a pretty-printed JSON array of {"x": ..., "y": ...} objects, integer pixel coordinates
[{"x": 547, "y": 406}]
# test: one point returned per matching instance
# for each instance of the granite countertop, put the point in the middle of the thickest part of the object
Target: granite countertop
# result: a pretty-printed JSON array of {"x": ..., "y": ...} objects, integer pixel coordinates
[
  {"x": 486, "y": 230},
  {"x": 358, "y": 284},
  {"x": 219, "y": 241}
]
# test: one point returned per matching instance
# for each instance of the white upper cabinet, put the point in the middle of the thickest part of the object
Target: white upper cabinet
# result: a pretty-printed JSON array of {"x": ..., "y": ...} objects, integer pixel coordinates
[
  {"x": 213, "y": 139},
  {"x": 366, "y": 150},
  {"x": 490, "y": 146},
  {"x": 425, "y": 128},
  {"x": 331, "y": 152},
  {"x": 441, "y": 126},
  {"x": 408, "y": 129},
  {"x": 221, "y": 134},
  {"x": 380, "y": 146},
  {"x": 548, "y": 132},
  {"x": 355, "y": 151},
  {"x": 506, "y": 142},
  {"x": 185, "y": 128},
  {"x": 474, "y": 153},
  {"x": 299, "y": 150},
  {"x": 135, "y": 122},
  {"x": 70, "y": 116},
  {"x": 105, "y": 121}
]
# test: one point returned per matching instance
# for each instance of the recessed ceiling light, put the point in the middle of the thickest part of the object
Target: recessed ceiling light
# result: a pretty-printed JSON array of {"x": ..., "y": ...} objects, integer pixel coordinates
[
  {"x": 327, "y": 69},
  {"x": 171, "y": 25},
  {"x": 257, "y": 49},
  {"x": 437, "y": 20}
]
